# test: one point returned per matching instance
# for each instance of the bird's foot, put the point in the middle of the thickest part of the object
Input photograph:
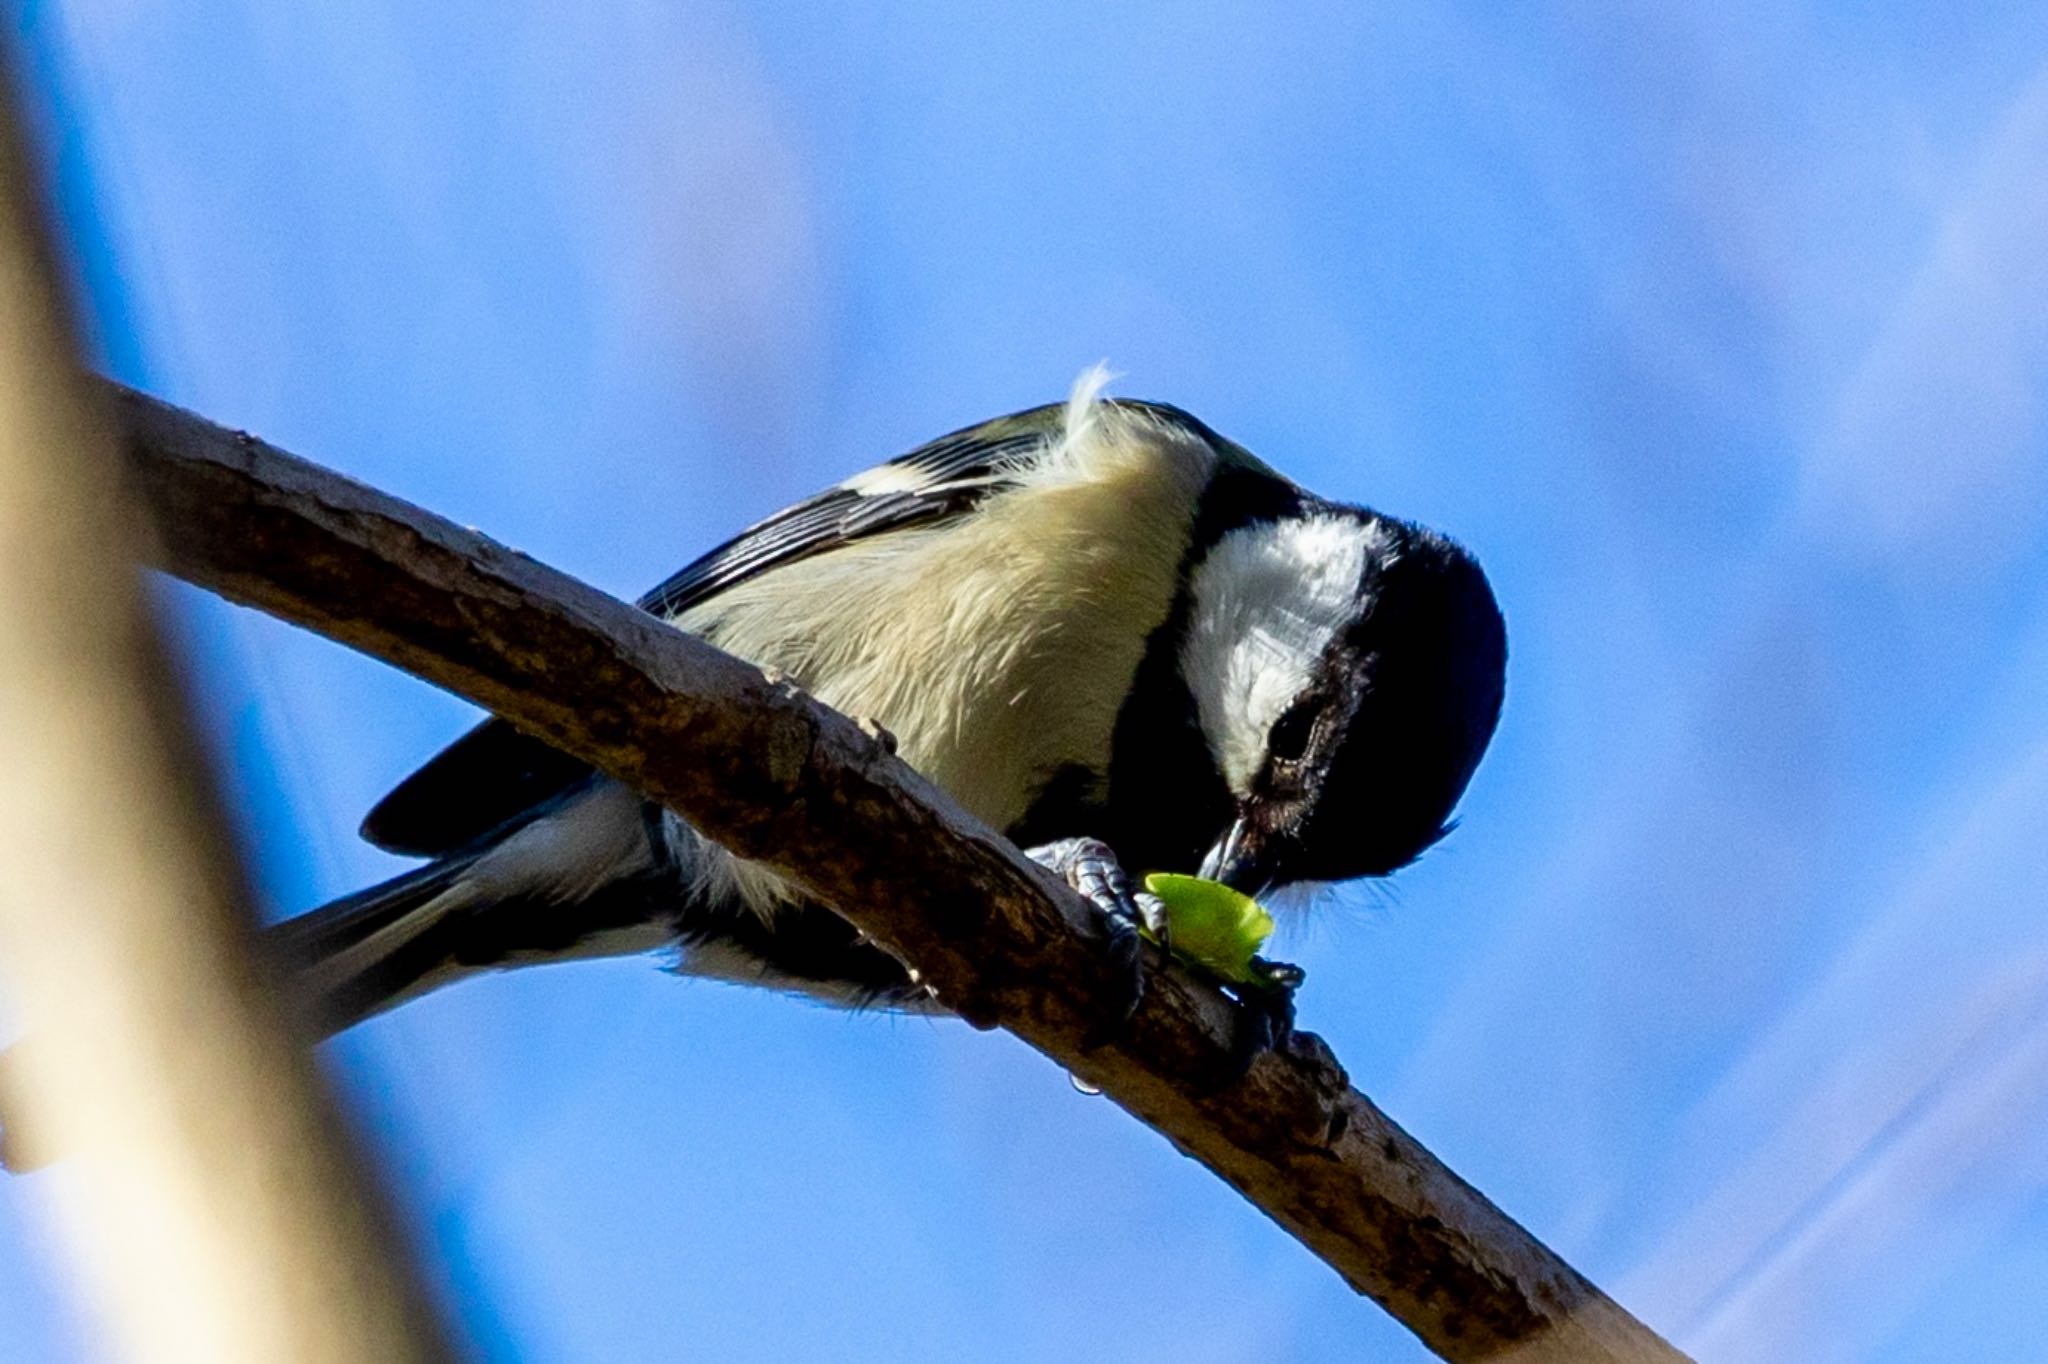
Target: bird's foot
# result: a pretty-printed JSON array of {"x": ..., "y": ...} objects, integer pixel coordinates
[
  {"x": 1265, "y": 1017},
  {"x": 1088, "y": 865}
]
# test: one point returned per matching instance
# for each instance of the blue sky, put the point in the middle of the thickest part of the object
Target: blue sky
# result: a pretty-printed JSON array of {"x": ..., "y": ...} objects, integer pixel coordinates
[{"x": 1718, "y": 335}]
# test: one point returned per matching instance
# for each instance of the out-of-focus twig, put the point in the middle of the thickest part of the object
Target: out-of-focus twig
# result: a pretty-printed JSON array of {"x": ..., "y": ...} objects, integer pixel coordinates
[
  {"x": 776, "y": 777},
  {"x": 214, "y": 1209}
]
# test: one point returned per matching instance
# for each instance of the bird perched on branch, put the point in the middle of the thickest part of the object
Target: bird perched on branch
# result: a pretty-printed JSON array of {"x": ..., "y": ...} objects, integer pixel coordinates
[{"x": 1103, "y": 628}]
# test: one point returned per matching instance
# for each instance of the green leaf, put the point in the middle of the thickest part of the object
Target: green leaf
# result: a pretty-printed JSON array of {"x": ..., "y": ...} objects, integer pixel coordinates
[{"x": 1212, "y": 925}]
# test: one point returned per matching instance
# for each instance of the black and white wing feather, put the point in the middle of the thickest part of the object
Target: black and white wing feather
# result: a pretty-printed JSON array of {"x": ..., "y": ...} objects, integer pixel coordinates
[{"x": 933, "y": 483}]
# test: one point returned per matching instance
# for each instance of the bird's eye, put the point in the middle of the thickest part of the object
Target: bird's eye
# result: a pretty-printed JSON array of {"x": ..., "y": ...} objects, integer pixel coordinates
[{"x": 1290, "y": 735}]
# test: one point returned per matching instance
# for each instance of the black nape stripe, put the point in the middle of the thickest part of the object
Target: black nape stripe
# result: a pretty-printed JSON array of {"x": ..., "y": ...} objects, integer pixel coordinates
[{"x": 1238, "y": 497}]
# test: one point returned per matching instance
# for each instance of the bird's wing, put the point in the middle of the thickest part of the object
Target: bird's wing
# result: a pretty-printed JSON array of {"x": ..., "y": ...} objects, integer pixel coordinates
[
  {"x": 495, "y": 775},
  {"x": 932, "y": 483}
]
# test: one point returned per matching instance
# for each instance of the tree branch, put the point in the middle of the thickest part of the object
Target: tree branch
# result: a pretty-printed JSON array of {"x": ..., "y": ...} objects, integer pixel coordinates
[{"x": 772, "y": 775}]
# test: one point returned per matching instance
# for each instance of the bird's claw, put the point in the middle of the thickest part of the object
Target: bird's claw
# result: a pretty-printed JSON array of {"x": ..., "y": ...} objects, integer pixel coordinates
[
  {"x": 1129, "y": 915},
  {"x": 1265, "y": 1017}
]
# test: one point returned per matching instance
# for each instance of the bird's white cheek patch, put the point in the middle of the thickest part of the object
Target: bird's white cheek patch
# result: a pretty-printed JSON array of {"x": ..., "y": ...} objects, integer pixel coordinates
[{"x": 1267, "y": 602}]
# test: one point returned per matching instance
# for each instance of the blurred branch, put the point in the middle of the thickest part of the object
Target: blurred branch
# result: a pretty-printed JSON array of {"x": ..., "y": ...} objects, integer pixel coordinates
[
  {"x": 215, "y": 1211},
  {"x": 774, "y": 776}
]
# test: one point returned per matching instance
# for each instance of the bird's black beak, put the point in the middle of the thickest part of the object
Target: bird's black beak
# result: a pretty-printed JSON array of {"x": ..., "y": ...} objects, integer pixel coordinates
[{"x": 1240, "y": 860}]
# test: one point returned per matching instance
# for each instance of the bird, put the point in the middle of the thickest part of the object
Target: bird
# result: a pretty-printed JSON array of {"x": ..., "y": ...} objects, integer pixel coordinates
[{"x": 1106, "y": 630}]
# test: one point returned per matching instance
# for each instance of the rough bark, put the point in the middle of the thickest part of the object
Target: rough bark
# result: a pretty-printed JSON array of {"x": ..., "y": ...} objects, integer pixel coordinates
[{"x": 774, "y": 776}]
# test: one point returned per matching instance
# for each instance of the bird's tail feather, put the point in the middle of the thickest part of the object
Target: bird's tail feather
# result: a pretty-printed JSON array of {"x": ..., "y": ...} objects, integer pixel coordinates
[{"x": 366, "y": 952}]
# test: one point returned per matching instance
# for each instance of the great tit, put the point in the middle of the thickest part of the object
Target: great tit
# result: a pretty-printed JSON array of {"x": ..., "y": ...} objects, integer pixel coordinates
[{"x": 1105, "y": 629}]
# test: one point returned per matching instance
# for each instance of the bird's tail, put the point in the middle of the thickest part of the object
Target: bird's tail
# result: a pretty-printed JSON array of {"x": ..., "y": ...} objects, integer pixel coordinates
[{"x": 367, "y": 952}]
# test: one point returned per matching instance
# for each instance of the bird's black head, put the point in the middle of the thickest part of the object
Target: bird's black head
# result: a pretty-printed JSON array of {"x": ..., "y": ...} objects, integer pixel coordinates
[{"x": 1348, "y": 671}]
